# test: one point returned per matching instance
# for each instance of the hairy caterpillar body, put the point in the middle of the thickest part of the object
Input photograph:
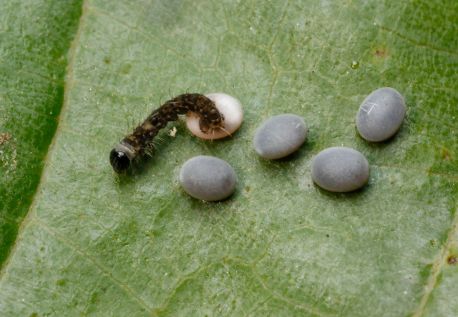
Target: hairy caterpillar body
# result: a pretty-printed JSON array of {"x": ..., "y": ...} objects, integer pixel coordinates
[{"x": 137, "y": 143}]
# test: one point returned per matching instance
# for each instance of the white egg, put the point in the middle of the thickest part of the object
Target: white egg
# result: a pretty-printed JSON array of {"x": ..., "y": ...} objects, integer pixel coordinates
[{"x": 229, "y": 107}]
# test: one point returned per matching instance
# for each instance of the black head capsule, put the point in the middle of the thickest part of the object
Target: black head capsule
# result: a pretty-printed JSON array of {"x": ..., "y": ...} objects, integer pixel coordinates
[
  {"x": 119, "y": 160},
  {"x": 121, "y": 157}
]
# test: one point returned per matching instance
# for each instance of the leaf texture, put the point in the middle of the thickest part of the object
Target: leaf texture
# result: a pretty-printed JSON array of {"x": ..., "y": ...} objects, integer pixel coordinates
[{"x": 93, "y": 243}]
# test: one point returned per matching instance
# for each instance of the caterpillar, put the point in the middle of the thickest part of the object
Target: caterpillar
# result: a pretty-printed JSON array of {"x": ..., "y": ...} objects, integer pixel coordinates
[{"x": 136, "y": 144}]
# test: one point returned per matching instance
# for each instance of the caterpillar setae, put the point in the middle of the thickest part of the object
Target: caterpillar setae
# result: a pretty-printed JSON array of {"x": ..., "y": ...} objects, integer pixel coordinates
[{"x": 136, "y": 144}]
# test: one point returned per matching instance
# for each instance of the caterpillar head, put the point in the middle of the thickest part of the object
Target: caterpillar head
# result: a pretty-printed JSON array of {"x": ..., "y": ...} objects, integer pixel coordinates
[
  {"x": 119, "y": 161},
  {"x": 121, "y": 157}
]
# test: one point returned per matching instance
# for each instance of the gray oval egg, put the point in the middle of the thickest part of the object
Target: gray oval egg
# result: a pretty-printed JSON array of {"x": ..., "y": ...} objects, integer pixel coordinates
[
  {"x": 280, "y": 136},
  {"x": 381, "y": 114},
  {"x": 340, "y": 169},
  {"x": 207, "y": 178}
]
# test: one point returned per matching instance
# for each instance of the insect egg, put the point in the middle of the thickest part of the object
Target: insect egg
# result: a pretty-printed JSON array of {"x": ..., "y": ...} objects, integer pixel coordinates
[
  {"x": 381, "y": 114},
  {"x": 340, "y": 169},
  {"x": 208, "y": 178},
  {"x": 229, "y": 107},
  {"x": 280, "y": 136}
]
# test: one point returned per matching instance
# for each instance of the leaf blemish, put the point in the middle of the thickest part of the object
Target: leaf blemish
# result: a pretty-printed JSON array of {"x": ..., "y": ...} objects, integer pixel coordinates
[
  {"x": 381, "y": 52},
  {"x": 125, "y": 69},
  {"x": 445, "y": 154},
  {"x": 4, "y": 137},
  {"x": 452, "y": 260}
]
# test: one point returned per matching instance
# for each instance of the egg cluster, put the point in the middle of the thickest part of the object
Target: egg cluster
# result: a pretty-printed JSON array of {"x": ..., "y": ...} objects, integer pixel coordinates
[{"x": 218, "y": 115}]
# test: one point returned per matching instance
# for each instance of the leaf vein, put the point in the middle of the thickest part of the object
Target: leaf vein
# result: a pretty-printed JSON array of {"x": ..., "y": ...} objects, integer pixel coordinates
[
  {"x": 101, "y": 267},
  {"x": 417, "y": 43},
  {"x": 436, "y": 269}
]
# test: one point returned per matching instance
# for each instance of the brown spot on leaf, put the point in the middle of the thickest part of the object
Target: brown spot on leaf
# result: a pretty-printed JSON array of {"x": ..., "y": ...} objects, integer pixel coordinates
[
  {"x": 452, "y": 260},
  {"x": 4, "y": 137},
  {"x": 445, "y": 154},
  {"x": 381, "y": 52}
]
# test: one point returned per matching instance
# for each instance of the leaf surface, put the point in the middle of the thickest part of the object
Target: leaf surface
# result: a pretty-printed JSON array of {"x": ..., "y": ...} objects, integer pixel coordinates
[
  {"x": 34, "y": 38},
  {"x": 94, "y": 243}
]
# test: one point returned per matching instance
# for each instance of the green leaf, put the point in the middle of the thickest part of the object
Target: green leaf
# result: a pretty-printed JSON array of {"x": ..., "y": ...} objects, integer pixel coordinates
[
  {"x": 34, "y": 39},
  {"x": 93, "y": 243}
]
